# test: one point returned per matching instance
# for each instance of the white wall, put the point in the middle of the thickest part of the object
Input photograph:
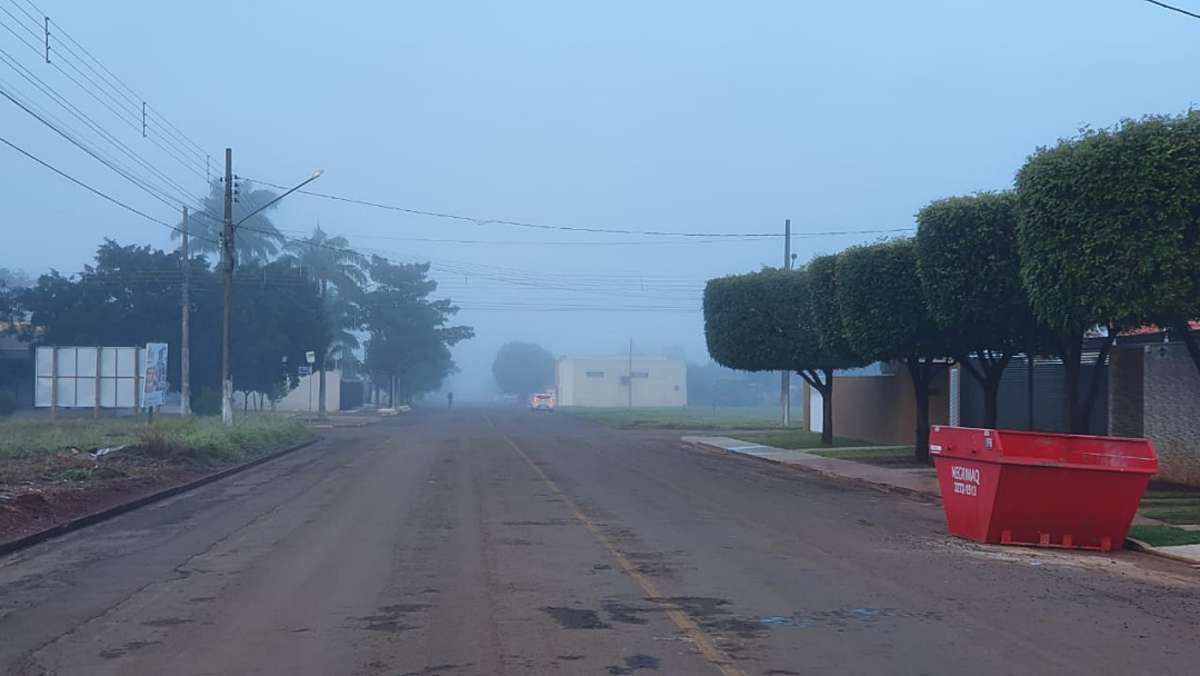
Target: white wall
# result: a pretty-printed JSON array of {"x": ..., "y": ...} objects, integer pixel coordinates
[
  {"x": 298, "y": 399},
  {"x": 599, "y": 382}
]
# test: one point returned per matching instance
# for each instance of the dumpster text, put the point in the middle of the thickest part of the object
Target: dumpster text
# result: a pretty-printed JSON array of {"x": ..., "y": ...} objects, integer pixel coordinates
[{"x": 966, "y": 480}]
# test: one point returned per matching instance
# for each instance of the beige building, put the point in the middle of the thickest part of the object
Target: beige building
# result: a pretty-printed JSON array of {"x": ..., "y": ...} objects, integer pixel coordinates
[{"x": 601, "y": 381}]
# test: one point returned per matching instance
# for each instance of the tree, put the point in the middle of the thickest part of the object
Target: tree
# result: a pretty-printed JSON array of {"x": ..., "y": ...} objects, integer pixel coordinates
[
  {"x": 129, "y": 296},
  {"x": 409, "y": 337},
  {"x": 1109, "y": 235},
  {"x": 256, "y": 239},
  {"x": 340, "y": 275},
  {"x": 10, "y": 316},
  {"x": 523, "y": 368},
  {"x": 274, "y": 324},
  {"x": 830, "y": 332},
  {"x": 970, "y": 274},
  {"x": 763, "y": 321},
  {"x": 885, "y": 317},
  {"x": 14, "y": 278}
]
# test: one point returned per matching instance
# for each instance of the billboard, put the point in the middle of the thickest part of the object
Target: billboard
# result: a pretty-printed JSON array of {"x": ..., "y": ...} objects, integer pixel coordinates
[
  {"x": 87, "y": 377},
  {"x": 154, "y": 375}
]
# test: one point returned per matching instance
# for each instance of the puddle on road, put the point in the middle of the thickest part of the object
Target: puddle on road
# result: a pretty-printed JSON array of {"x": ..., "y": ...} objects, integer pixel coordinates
[
  {"x": 576, "y": 618},
  {"x": 165, "y": 622},
  {"x": 517, "y": 542},
  {"x": 627, "y": 614},
  {"x": 388, "y": 619},
  {"x": 634, "y": 663},
  {"x": 128, "y": 647},
  {"x": 544, "y": 522}
]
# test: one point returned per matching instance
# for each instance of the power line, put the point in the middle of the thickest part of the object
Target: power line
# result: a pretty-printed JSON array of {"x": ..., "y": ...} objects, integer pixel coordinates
[
  {"x": 49, "y": 91},
  {"x": 196, "y": 165},
  {"x": 1174, "y": 9},
  {"x": 21, "y": 24},
  {"x": 182, "y": 136},
  {"x": 571, "y": 228},
  {"x": 154, "y": 191},
  {"x": 543, "y": 242},
  {"x": 87, "y": 187}
]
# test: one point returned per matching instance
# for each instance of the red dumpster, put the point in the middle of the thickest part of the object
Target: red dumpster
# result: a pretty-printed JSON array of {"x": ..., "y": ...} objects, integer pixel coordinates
[{"x": 1040, "y": 489}]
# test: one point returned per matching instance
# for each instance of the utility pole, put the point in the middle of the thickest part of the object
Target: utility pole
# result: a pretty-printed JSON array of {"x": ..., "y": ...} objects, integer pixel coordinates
[
  {"x": 227, "y": 270},
  {"x": 630, "y": 373},
  {"x": 185, "y": 404},
  {"x": 785, "y": 377}
]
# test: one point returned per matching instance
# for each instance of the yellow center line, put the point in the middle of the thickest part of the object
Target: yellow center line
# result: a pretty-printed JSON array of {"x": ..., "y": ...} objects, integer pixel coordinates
[{"x": 709, "y": 650}]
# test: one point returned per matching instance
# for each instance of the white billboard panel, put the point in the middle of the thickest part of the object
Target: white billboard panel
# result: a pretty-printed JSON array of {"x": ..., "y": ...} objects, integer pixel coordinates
[
  {"x": 44, "y": 367},
  {"x": 66, "y": 363},
  {"x": 65, "y": 388},
  {"x": 85, "y": 362},
  {"x": 77, "y": 383}
]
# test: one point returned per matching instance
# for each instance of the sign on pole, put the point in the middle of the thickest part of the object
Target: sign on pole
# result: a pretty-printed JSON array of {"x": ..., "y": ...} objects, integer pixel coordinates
[
  {"x": 310, "y": 357},
  {"x": 303, "y": 370},
  {"x": 154, "y": 375}
]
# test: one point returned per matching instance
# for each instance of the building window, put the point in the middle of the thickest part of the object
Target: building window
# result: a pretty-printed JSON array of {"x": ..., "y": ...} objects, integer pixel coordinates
[
  {"x": 640, "y": 374},
  {"x": 595, "y": 374}
]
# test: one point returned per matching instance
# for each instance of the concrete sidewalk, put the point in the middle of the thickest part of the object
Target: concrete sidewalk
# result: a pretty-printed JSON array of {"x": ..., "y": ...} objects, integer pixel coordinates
[{"x": 921, "y": 482}]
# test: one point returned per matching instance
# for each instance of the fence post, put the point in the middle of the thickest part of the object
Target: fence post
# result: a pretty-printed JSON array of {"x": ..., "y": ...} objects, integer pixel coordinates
[
  {"x": 53, "y": 382},
  {"x": 137, "y": 384},
  {"x": 96, "y": 409}
]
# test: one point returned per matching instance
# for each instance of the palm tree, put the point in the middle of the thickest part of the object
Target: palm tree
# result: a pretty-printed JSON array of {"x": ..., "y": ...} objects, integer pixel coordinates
[
  {"x": 339, "y": 272},
  {"x": 256, "y": 239}
]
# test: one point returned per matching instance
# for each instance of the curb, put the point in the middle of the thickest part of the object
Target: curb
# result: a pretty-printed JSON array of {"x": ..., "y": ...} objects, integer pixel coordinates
[
  {"x": 1144, "y": 548},
  {"x": 13, "y": 546},
  {"x": 883, "y": 488}
]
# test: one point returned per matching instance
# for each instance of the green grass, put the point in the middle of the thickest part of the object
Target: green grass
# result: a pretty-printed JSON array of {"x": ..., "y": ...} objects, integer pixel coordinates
[
  {"x": 1173, "y": 504},
  {"x": 795, "y": 439},
  {"x": 200, "y": 440},
  {"x": 897, "y": 457},
  {"x": 1164, "y": 536},
  {"x": 689, "y": 418}
]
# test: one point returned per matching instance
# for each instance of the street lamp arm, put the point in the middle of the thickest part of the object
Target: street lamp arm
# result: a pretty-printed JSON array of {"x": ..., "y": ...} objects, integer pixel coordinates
[{"x": 310, "y": 179}]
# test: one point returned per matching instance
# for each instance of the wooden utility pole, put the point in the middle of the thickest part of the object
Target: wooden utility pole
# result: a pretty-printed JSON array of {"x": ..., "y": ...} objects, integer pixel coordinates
[
  {"x": 227, "y": 315},
  {"x": 185, "y": 357},
  {"x": 785, "y": 391}
]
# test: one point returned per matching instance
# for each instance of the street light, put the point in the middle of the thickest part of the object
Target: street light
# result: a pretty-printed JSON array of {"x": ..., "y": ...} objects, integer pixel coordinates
[
  {"x": 310, "y": 179},
  {"x": 227, "y": 252}
]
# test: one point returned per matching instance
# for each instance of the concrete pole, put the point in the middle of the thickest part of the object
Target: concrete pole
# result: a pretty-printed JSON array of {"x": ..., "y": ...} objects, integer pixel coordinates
[
  {"x": 785, "y": 391},
  {"x": 227, "y": 272},
  {"x": 185, "y": 355}
]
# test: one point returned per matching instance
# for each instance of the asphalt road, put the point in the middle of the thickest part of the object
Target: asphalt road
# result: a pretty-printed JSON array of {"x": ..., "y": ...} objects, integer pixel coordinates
[{"x": 507, "y": 542}]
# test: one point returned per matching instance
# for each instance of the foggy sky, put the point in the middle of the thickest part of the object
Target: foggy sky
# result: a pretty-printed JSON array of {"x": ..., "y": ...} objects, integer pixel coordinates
[{"x": 690, "y": 116}]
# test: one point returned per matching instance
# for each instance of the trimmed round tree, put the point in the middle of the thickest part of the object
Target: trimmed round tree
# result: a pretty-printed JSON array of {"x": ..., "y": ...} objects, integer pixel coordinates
[
  {"x": 885, "y": 318},
  {"x": 1109, "y": 234},
  {"x": 762, "y": 321},
  {"x": 835, "y": 350},
  {"x": 970, "y": 275}
]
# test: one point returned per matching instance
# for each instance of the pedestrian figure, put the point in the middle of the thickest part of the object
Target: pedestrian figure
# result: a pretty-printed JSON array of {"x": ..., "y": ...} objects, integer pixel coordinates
[{"x": 449, "y": 400}]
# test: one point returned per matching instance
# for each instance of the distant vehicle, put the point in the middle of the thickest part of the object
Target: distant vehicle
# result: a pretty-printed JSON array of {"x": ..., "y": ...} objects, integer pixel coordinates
[{"x": 545, "y": 401}]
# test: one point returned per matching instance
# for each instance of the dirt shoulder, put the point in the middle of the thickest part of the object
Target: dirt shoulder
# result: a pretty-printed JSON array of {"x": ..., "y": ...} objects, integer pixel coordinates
[{"x": 52, "y": 473}]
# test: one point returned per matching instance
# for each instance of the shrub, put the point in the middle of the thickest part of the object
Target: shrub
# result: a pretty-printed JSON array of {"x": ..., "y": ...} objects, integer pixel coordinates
[
  {"x": 8, "y": 404},
  {"x": 207, "y": 402}
]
